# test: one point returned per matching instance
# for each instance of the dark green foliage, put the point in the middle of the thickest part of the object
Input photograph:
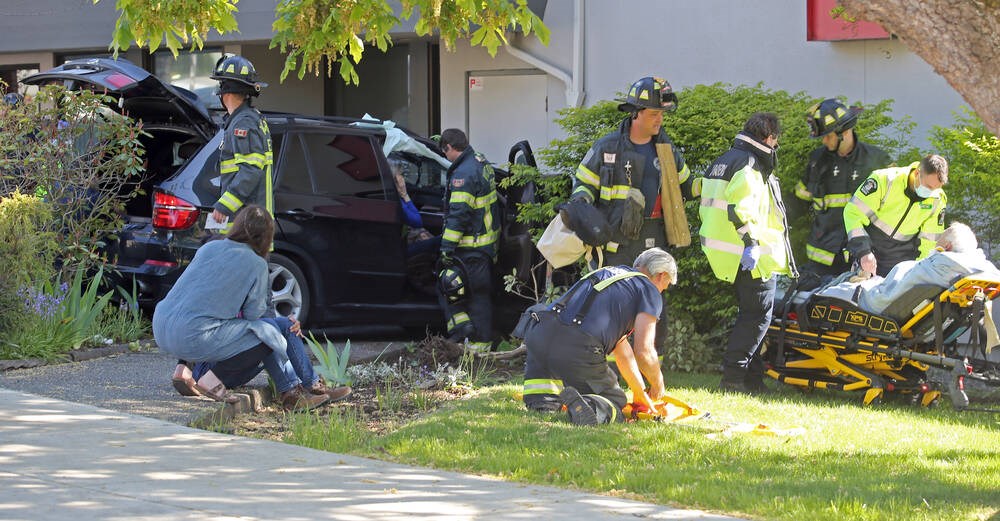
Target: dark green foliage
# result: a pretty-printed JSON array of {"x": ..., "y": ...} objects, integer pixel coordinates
[{"x": 973, "y": 189}]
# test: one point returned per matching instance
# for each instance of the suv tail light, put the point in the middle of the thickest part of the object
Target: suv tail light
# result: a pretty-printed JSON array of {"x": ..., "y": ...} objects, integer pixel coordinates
[{"x": 173, "y": 213}]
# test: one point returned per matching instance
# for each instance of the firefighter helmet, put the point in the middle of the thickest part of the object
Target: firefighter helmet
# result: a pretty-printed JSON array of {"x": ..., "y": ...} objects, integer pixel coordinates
[
  {"x": 831, "y": 115},
  {"x": 649, "y": 93},
  {"x": 237, "y": 75},
  {"x": 451, "y": 282}
]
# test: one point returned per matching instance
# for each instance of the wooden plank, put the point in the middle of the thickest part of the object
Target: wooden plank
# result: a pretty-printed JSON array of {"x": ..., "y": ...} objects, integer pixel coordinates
[{"x": 671, "y": 200}]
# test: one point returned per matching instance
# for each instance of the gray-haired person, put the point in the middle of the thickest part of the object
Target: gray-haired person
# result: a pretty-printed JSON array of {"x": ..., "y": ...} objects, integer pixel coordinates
[{"x": 567, "y": 350}]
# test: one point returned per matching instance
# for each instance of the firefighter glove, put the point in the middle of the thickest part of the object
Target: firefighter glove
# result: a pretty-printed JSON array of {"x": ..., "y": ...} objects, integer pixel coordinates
[
  {"x": 632, "y": 217},
  {"x": 751, "y": 254},
  {"x": 445, "y": 260}
]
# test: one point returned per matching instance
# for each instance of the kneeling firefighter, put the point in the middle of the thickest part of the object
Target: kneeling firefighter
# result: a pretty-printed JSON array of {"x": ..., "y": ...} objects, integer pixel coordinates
[{"x": 568, "y": 345}]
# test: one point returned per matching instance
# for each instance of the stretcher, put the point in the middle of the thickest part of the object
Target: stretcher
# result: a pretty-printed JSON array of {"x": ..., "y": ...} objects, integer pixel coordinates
[{"x": 820, "y": 341}]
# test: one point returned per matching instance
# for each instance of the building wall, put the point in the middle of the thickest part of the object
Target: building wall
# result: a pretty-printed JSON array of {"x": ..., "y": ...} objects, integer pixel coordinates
[{"x": 707, "y": 41}]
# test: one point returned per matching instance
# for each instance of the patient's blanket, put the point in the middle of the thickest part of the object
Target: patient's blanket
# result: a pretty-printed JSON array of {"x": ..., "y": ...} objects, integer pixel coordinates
[{"x": 941, "y": 269}]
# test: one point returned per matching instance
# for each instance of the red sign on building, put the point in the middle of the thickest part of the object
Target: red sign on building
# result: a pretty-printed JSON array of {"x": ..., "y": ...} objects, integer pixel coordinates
[{"x": 822, "y": 26}]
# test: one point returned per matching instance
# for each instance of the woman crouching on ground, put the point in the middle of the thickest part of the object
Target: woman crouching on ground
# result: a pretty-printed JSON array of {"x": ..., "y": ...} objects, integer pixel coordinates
[{"x": 214, "y": 313}]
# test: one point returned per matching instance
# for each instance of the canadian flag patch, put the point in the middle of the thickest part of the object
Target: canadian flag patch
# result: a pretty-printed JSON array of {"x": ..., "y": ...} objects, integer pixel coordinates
[{"x": 240, "y": 132}]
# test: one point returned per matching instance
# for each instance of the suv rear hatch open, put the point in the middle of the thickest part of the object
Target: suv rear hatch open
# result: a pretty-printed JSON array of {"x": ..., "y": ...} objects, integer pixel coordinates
[{"x": 178, "y": 123}]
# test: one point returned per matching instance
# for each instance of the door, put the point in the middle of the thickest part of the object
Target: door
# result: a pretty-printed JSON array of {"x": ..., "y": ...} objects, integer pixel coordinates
[
  {"x": 330, "y": 201},
  {"x": 504, "y": 108}
]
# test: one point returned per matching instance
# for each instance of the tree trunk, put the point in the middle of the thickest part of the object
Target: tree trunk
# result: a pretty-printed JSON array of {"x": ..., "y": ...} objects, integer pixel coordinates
[{"x": 960, "y": 39}]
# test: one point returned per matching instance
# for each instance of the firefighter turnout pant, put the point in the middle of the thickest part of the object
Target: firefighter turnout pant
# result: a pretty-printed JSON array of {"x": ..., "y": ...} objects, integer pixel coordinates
[
  {"x": 472, "y": 317},
  {"x": 561, "y": 355},
  {"x": 742, "y": 364}
]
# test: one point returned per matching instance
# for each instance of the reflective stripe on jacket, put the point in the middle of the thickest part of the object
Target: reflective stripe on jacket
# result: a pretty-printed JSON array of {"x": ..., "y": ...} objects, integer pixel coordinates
[
  {"x": 473, "y": 217},
  {"x": 740, "y": 204},
  {"x": 886, "y": 217},
  {"x": 603, "y": 180},
  {"x": 245, "y": 162},
  {"x": 829, "y": 182}
]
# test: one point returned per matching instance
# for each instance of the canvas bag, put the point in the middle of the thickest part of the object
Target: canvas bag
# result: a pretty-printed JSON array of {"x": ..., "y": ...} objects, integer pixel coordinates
[{"x": 559, "y": 245}]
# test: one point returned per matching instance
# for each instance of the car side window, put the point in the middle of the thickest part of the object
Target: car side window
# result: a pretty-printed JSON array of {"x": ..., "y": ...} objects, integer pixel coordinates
[
  {"x": 343, "y": 164},
  {"x": 294, "y": 171}
]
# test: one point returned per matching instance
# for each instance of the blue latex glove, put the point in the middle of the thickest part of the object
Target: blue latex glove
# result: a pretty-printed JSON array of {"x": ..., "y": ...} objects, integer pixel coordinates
[{"x": 751, "y": 254}]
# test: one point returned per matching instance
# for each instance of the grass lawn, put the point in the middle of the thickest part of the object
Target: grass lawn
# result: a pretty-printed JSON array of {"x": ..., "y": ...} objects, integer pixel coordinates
[{"x": 890, "y": 462}]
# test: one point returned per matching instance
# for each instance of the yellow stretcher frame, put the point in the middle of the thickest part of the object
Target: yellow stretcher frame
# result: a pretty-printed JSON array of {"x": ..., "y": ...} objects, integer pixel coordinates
[{"x": 892, "y": 362}]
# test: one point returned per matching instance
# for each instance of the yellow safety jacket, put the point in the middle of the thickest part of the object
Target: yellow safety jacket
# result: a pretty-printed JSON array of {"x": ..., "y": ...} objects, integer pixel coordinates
[
  {"x": 740, "y": 206},
  {"x": 829, "y": 182},
  {"x": 245, "y": 161},
  {"x": 886, "y": 217}
]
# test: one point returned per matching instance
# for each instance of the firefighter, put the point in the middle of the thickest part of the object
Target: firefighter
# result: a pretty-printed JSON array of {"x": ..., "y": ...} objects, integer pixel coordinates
[
  {"x": 744, "y": 234},
  {"x": 245, "y": 154},
  {"x": 835, "y": 170},
  {"x": 245, "y": 157},
  {"x": 568, "y": 347},
  {"x": 897, "y": 214},
  {"x": 620, "y": 175},
  {"x": 468, "y": 243}
]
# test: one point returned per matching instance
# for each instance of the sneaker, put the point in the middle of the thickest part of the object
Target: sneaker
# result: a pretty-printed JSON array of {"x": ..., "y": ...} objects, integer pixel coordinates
[
  {"x": 298, "y": 399},
  {"x": 334, "y": 393},
  {"x": 580, "y": 412}
]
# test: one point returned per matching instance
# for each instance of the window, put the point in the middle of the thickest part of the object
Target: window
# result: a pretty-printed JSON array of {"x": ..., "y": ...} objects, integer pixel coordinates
[
  {"x": 12, "y": 76},
  {"x": 190, "y": 70},
  {"x": 343, "y": 164},
  {"x": 294, "y": 174}
]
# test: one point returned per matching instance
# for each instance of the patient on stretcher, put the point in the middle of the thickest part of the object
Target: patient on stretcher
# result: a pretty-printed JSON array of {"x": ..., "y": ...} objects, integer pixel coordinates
[{"x": 958, "y": 255}]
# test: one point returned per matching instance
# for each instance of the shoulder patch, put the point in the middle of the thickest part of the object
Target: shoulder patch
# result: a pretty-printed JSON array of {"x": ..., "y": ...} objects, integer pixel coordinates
[
  {"x": 240, "y": 132},
  {"x": 458, "y": 182},
  {"x": 609, "y": 157},
  {"x": 869, "y": 186}
]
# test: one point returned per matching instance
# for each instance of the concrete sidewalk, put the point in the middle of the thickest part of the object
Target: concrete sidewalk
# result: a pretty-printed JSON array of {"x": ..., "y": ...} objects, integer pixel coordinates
[
  {"x": 139, "y": 383},
  {"x": 62, "y": 460}
]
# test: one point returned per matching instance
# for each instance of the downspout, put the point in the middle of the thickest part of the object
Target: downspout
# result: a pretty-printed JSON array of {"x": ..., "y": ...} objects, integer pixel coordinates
[{"x": 574, "y": 88}]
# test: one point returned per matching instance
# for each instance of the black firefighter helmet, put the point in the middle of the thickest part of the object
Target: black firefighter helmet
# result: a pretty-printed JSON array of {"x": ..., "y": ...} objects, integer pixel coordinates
[
  {"x": 831, "y": 115},
  {"x": 649, "y": 93},
  {"x": 451, "y": 281},
  {"x": 237, "y": 75}
]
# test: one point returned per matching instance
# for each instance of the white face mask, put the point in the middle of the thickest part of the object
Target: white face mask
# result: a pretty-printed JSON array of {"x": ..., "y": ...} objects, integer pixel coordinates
[{"x": 925, "y": 192}]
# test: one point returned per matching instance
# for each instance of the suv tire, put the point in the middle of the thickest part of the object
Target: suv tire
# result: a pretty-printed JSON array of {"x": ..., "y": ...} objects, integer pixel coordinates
[{"x": 289, "y": 288}]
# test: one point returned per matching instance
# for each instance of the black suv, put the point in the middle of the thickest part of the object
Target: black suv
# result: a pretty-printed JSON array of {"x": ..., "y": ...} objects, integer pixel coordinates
[{"x": 340, "y": 249}]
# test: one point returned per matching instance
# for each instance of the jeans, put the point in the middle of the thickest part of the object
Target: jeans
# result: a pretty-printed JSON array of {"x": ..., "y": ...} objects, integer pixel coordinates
[{"x": 298, "y": 369}]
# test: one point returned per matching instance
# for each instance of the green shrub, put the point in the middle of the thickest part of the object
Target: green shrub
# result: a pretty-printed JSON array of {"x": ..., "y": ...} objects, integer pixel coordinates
[
  {"x": 973, "y": 189},
  {"x": 27, "y": 249},
  {"x": 704, "y": 126},
  {"x": 79, "y": 155}
]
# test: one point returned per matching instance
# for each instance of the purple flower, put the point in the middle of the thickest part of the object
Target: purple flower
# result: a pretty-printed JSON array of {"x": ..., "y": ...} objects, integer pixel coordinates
[{"x": 40, "y": 303}]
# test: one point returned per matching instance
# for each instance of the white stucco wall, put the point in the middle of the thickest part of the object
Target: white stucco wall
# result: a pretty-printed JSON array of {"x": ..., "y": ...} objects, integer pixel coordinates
[{"x": 693, "y": 42}]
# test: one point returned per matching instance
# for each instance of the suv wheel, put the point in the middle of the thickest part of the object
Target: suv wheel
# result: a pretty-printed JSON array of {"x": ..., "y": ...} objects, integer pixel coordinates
[{"x": 289, "y": 290}]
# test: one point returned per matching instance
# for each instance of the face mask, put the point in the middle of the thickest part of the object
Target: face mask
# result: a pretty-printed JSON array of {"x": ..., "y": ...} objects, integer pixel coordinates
[{"x": 924, "y": 192}]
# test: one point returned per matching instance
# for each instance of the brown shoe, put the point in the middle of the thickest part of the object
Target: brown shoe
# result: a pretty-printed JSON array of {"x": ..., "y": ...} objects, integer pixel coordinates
[
  {"x": 183, "y": 381},
  {"x": 298, "y": 399},
  {"x": 335, "y": 393}
]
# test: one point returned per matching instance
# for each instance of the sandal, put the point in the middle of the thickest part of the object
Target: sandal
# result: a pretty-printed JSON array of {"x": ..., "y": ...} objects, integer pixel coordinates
[
  {"x": 184, "y": 382},
  {"x": 209, "y": 385}
]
